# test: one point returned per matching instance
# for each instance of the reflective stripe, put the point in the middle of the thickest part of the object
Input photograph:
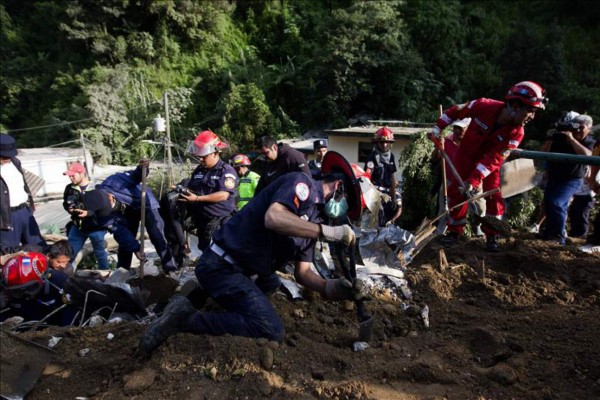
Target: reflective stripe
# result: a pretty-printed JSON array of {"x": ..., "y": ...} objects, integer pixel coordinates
[
  {"x": 483, "y": 170},
  {"x": 447, "y": 119},
  {"x": 215, "y": 248},
  {"x": 471, "y": 104},
  {"x": 458, "y": 222}
]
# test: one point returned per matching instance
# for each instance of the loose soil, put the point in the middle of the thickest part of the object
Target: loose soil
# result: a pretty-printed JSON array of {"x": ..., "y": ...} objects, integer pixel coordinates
[{"x": 520, "y": 324}]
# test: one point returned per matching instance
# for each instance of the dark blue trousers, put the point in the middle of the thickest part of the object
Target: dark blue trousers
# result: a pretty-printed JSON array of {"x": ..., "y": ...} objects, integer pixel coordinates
[{"x": 247, "y": 310}]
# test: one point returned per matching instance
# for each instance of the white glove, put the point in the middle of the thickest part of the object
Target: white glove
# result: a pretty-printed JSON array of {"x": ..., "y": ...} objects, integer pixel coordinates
[
  {"x": 342, "y": 289},
  {"x": 342, "y": 233}
]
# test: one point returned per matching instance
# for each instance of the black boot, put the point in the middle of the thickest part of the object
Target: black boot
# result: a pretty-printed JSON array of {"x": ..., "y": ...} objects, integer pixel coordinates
[
  {"x": 168, "y": 324},
  {"x": 449, "y": 239},
  {"x": 492, "y": 243}
]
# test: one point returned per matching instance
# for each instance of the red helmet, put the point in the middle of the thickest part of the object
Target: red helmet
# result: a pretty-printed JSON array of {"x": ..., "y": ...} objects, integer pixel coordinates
[
  {"x": 206, "y": 143},
  {"x": 241, "y": 160},
  {"x": 25, "y": 273},
  {"x": 529, "y": 93},
  {"x": 384, "y": 135}
]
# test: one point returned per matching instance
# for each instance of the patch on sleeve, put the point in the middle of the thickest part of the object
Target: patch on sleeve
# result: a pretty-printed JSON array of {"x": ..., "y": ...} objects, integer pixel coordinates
[
  {"x": 229, "y": 183},
  {"x": 230, "y": 176},
  {"x": 370, "y": 165},
  {"x": 302, "y": 191}
]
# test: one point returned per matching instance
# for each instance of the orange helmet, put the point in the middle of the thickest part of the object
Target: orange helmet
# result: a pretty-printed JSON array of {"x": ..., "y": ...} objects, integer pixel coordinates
[
  {"x": 384, "y": 135},
  {"x": 25, "y": 273},
  {"x": 206, "y": 143},
  {"x": 529, "y": 93},
  {"x": 241, "y": 160}
]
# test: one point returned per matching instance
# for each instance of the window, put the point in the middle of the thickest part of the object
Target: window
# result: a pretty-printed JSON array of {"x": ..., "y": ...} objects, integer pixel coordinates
[{"x": 364, "y": 151}]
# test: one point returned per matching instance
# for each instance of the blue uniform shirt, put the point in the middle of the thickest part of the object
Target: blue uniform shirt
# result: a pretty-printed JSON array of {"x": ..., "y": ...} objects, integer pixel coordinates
[
  {"x": 260, "y": 250},
  {"x": 126, "y": 187},
  {"x": 381, "y": 172},
  {"x": 221, "y": 177}
]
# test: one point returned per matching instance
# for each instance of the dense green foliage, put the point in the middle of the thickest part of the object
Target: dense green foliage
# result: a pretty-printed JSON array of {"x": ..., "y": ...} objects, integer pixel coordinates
[{"x": 248, "y": 67}]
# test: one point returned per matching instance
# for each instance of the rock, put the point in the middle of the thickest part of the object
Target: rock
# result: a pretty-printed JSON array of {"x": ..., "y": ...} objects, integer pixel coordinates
[
  {"x": 291, "y": 342},
  {"x": 138, "y": 381},
  {"x": 273, "y": 345},
  {"x": 266, "y": 358},
  {"x": 298, "y": 313},
  {"x": 262, "y": 341},
  {"x": 53, "y": 369},
  {"x": 83, "y": 352},
  {"x": 96, "y": 320},
  {"x": 503, "y": 374},
  {"x": 389, "y": 309},
  {"x": 12, "y": 322}
]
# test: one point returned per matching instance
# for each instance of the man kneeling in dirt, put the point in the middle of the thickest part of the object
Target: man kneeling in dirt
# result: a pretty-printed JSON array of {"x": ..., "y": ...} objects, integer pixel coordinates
[{"x": 279, "y": 225}]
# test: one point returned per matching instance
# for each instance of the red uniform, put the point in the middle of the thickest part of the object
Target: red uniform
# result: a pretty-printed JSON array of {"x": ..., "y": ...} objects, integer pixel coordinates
[{"x": 480, "y": 154}]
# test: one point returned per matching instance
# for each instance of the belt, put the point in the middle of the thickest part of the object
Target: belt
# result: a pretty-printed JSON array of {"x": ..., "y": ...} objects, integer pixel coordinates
[
  {"x": 215, "y": 248},
  {"x": 20, "y": 206}
]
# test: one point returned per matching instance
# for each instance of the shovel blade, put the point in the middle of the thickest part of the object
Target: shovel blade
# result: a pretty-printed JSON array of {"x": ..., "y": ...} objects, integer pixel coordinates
[{"x": 365, "y": 330}]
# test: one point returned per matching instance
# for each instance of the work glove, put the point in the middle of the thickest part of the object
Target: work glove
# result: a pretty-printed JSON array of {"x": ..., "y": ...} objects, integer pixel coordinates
[
  {"x": 341, "y": 233},
  {"x": 140, "y": 255},
  {"x": 469, "y": 190},
  {"x": 343, "y": 289}
]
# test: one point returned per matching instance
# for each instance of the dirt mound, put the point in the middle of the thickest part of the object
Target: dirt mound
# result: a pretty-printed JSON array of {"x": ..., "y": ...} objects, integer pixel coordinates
[{"x": 521, "y": 324}]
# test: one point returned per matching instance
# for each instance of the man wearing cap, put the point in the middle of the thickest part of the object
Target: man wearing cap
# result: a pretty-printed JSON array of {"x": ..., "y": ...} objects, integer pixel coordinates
[
  {"x": 564, "y": 180},
  {"x": 210, "y": 192},
  {"x": 320, "y": 148},
  {"x": 280, "y": 159},
  {"x": 281, "y": 224},
  {"x": 127, "y": 189},
  {"x": 81, "y": 229},
  {"x": 248, "y": 180},
  {"x": 381, "y": 166},
  {"x": 17, "y": 224}
]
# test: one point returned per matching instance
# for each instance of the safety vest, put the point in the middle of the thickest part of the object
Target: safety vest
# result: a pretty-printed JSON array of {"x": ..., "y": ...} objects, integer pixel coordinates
[{"x": 246, "y": 189}]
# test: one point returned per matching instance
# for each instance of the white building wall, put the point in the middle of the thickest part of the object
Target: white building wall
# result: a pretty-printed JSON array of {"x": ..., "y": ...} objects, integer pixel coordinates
[
  {"x": 348, "y": 147},
  {"x": 50, "y": 164}
]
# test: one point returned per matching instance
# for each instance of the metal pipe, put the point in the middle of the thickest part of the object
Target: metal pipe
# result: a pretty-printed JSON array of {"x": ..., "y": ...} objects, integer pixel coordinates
[{"x": 556, "y": 157}]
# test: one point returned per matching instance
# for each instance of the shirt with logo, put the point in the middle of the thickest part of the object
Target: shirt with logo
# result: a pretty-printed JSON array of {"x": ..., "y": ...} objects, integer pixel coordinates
[
  {"x": 204, "y": 181},
  {"x": 259, "y": 250}
]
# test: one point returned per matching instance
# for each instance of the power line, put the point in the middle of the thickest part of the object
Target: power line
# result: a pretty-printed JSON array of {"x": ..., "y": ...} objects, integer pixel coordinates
[{"x": 49, "y": 126}]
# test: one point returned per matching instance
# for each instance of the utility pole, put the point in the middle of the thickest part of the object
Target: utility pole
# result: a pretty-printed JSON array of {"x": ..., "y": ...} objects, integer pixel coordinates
[
  {"x": 168, "y": 144},
  {"x": 85, "y": 164}
]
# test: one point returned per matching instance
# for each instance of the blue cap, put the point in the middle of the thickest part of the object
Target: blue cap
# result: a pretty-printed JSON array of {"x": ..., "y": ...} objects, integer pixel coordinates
[
  {"x": 8, "y": 148},
  {"x": 319, "y": 143}
]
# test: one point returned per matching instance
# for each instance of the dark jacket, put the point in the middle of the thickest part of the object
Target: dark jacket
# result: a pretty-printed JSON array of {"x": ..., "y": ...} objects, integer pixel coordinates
[
  {"x": 288, "y": 160},
  {"x": 73, "y": 197},
  {"x": 5, "y": 218},
  {"x": 127, "y": 188}
]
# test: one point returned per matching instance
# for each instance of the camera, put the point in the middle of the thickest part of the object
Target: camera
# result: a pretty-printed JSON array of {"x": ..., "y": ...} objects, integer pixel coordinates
[
  {"x": 567, "y": 126},
  {"x": 181, "y": 189},
  {"x": 74, "y": 202}
]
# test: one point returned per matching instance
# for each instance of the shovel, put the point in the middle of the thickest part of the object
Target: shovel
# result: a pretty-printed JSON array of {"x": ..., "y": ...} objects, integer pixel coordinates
[
  {"x": 22, "y": 365},
  {"x": 365, "y": 331},
  {"x": 490, "y": 222}
]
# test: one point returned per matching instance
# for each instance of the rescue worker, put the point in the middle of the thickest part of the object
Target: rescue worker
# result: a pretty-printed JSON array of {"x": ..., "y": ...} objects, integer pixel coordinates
[
  {"x": 248, "y": 180},
  {"x": 18, "y": 226},
  {"x": 496, "y": 128},
  {"x": 210, "y": 192},
  {"x": 320, "y": 149},
  {"x": 81, "y": 229},
  {"x": 32, "y": 289},
  {"x": 126, "y": 188},
  {"x": 279, "y": 225},
  {"x": 280, "y": 159},
  {"x": 381, "y": 166}
]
